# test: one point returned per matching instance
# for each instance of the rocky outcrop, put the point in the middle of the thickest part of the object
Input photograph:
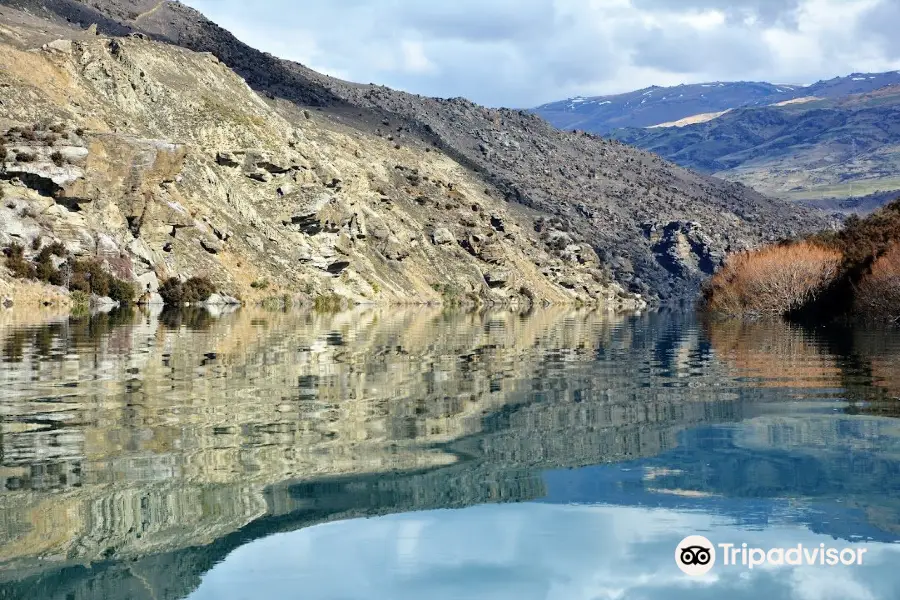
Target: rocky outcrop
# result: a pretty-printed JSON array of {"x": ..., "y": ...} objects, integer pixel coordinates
[{"x": 190, "y": 174}]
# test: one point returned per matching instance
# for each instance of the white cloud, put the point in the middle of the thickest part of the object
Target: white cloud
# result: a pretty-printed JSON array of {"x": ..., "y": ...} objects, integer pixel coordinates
[{"x": 524, "y": 52}]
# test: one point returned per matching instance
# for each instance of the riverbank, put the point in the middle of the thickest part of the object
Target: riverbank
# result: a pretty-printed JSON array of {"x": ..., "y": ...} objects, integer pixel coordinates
[{"x": 851, "y": 273}]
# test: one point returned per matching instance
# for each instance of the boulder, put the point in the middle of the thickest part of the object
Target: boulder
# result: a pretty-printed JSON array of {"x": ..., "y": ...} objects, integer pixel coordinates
[
  {"x": 216, "y": 300},
  {"x": 210, "y": 245},
  {"x": 61, "y": 46},
  {"x": 497, "y": 278},
  {"x": 394, "y": 249},
  {"x": 102, "y": 303},
  {"x": 148, "y": 282},
  {"x": 442, "y": 236}
]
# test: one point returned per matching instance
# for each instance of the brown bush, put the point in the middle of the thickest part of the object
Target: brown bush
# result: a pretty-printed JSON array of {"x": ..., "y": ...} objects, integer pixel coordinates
[
  {"x": 878, "y": 293},
  {"x": 775, "y": 280},
  {"x": 16, "y": 263}
]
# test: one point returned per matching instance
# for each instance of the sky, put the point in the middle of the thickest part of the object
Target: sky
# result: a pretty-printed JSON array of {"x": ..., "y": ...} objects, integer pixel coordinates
[{"x": 522, "y": 53}]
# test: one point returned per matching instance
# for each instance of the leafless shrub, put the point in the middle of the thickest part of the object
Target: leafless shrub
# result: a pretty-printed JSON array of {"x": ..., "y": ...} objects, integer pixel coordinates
[{"x": 774, "y": 281}]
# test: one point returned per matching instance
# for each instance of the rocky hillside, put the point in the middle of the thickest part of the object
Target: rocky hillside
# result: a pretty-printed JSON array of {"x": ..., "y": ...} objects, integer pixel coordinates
[
  {"x": 506, "y": 200},
  {"x": 161, "y": 172},
  {"x": 656, "y": 105},
  {"x": 841, "y": 148}
]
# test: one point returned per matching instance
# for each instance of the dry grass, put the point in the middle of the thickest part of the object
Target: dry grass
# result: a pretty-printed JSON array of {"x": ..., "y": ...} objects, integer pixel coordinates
[
  {"x": 773, "y": 281},
  {"x": 878, "y": 293}
]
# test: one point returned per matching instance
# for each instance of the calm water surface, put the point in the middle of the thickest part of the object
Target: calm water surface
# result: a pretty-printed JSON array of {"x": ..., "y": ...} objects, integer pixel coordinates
[{"x": 409, "y": 454}]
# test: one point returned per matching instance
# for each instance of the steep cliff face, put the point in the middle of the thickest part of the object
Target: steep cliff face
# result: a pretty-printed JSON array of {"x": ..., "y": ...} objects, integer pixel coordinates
[
  {"x": 162, "y": 162},
  {"x": 589, "y": 190}
]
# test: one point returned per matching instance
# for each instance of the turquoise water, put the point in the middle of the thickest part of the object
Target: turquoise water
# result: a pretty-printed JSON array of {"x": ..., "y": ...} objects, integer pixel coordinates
[{"x": 415, "y": 453}]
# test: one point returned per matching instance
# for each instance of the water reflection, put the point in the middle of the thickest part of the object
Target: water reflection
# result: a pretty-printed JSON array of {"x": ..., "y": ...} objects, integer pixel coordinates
[{"x": 140, "y": 451}]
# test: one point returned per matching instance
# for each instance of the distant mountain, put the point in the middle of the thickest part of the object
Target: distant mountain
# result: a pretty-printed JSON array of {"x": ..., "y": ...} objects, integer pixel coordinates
[
  {"x": 817, "y": 149},
  {"x": 658, "y": 105}
]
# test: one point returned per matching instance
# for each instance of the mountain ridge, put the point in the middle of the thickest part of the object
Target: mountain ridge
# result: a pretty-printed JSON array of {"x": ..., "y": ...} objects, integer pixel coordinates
[
  {"x": 655, "y": 105},
  {"x": 821, "y": 149}
]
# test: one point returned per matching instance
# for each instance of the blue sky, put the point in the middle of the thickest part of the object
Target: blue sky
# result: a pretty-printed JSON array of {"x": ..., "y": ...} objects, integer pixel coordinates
[{"x": 522, "y": 53}]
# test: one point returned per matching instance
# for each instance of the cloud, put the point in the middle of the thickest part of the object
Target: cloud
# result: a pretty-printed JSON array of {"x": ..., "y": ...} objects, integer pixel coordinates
[
  {"x": 879, "y": 25},
  {"x": 521, "y": 53}
]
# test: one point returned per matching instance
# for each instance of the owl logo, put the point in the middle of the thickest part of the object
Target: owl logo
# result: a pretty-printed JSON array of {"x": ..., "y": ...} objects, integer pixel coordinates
[{"x": 695, "y": 555}]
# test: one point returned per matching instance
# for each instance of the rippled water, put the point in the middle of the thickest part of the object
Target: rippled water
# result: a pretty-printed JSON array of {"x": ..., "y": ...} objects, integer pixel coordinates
[{"x": 414, "y": 453}]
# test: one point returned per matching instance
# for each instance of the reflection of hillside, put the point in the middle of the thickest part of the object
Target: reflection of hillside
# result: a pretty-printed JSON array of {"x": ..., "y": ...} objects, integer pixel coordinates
[
  {"x": 151, "y": 450},
  {"x": 119, "y": 440},
  {"x": 151, "y": 437}
]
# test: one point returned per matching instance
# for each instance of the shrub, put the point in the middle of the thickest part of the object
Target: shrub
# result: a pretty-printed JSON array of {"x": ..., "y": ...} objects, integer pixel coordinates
[
  {"x": 25, "y": 157},
  {"x": 260, "y": 284},
  {"x": 121, "y": 291},
  {"x": 878, "y": 294},
  {"x": 80, "y": 303},
  {"x": 16, "y": 263},
  {"x": 172, "y": 291},
  {"x": 57, "y": 158},
  {"x": 198, "y": 289},
  {"x": 195, "y": 289},
  {"x": 776, "y": 280},
  {"x": 861, "y": 240}
]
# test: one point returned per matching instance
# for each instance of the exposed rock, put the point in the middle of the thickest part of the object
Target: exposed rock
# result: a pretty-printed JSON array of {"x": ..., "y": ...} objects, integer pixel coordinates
[
  {"x": 683, "y": 248},
  {"x": 63, "y": 46},
  {"x": 211, "y": 246},
  {"x": 299, "y": 202},
  {"x": 260, "y": 175},
  {"x": 140, "y": 250},
  {"x": 286, "y": 189},
  {"x": 337, "y": 267},
  {"x": 148, "y": 282},
  {"x": 394, "y": 249},
  {"x": 442, "y": 236},
  {"x": 102, "y": 303},
  {"x": 228, "y": 159},
  {"x": 497, "y": 278}
]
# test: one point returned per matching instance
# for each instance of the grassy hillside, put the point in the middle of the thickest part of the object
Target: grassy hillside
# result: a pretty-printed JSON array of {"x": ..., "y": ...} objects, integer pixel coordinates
[{"x": 813, "y": 151}]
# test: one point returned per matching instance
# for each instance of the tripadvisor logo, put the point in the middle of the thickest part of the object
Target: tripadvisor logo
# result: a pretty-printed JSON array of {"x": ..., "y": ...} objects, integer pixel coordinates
[{"x": 695, "y": 555}]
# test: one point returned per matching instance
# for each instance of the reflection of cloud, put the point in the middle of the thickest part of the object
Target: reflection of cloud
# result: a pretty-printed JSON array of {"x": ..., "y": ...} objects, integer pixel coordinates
[{"x": 531, "y": 551}]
